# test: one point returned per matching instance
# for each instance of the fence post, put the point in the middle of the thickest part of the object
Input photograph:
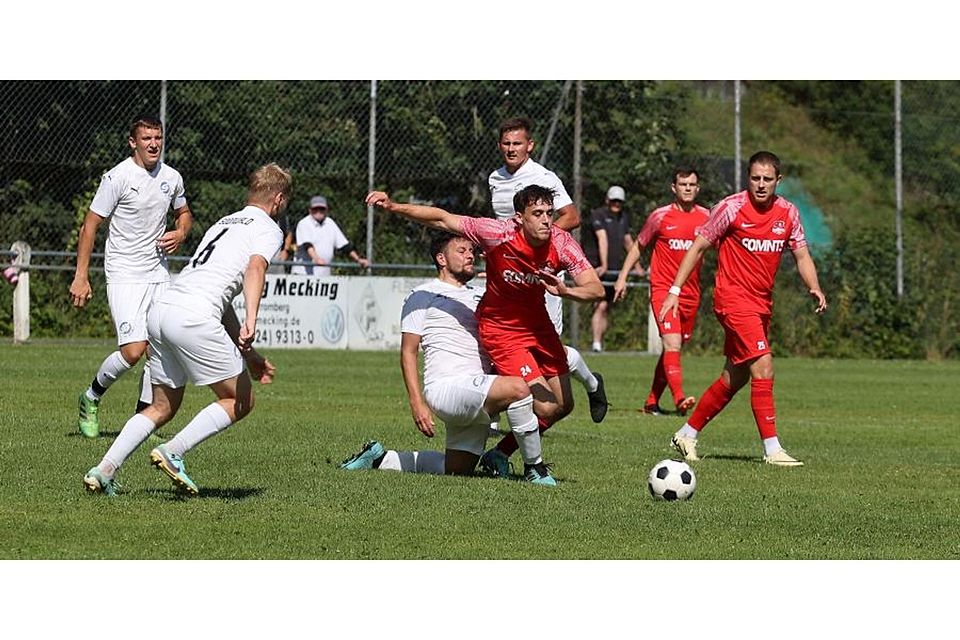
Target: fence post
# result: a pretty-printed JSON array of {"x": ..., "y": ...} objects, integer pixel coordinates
[{"x": 21, "y": 294}]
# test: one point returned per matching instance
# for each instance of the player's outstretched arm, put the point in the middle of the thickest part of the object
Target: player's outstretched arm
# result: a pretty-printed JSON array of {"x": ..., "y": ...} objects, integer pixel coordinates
[
  {"x": 422, "y": 416},
  {"x": 568, "y": 217},
  {"x": 690, "y": 259},
  {"x": 433, "y": 217},
  {"x": 588, "y": 286},
  {"x": 808, "y": 273}
]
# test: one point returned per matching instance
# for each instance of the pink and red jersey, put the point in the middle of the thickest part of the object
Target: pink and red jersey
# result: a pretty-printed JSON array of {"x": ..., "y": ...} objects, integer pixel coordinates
[
  {"x": 514, "y": 298},
  {"x": 750, "y": 244},
  {"x": 673, "y": 229}
]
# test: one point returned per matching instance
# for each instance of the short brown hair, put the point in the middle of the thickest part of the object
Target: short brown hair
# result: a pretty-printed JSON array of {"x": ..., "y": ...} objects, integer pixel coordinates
[
  {"x": 532, "y": 195},
  {"x": 516, "y": 124},
  {"x": 145, "y": 121},
  {"x": 268, "y": 180},
  {"x": 765, "y": 157},
  {"x": 684, "y": 171}
]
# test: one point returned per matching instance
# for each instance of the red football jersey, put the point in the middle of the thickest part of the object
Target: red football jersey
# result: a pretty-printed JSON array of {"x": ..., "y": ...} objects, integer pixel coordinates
[
  {"x": 750, "y": 245},
  {"x": 514, "y": 297},
  {"x": 673, "y": 229}
]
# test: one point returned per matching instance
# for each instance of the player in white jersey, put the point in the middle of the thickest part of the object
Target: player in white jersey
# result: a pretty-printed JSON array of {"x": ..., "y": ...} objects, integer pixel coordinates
[
  {"x": 135, "y": 195},
  {"x": 195, "y": 335},
  {"x": 439, "y": 318},
  {"x": 518, "y": 171}
]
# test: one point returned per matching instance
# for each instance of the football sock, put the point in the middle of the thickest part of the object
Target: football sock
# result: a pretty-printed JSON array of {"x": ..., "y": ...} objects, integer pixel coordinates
[
  {"x": 714, "y": 399},
  {"x": 687, "y": 431},
  {"x": 508, "y": 444},
  {"x": 211, "y": 420},
  {"x": 523, "y": 424},
  {"x": 414, "y": 461},
  {"x": 110, "y": 370},
  {"x": 659, "y": 383},
  {"x": 580, "y": 370},
  {"x": 674, "y": 374},
  {"x": 134, "y": 432},
  {"x": 771, "y": 445},
  {"x": 761, "y": 401}
]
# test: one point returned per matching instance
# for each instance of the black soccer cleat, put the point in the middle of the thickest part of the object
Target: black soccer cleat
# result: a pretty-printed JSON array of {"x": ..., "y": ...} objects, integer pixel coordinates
[{"x": 598, "y": 400}]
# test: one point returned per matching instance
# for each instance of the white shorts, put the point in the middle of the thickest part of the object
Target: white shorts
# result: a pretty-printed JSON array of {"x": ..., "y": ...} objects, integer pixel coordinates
[
  {"x": 128, "y": 308},
  {"x": 458, "y": 401},
  {"x": 555, "y": 311},
  {"x": 189, "y": 345}
]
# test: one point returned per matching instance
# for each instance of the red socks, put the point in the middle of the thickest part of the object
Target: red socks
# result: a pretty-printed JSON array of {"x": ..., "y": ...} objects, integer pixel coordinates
[
  {"x": 764, "y": 412},
  {"x": 674, "y": 374},
  {"x": 714, "y": 399},
  {"x": 659, "y": 384}
]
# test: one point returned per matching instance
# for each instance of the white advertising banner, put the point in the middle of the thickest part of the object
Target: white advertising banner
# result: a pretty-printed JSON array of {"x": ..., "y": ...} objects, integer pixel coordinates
[{"x": 330, "y": 312}]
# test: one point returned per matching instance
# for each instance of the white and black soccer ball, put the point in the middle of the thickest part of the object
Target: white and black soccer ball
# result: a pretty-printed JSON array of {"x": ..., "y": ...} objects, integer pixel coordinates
[{"x": 672, "y": 480}]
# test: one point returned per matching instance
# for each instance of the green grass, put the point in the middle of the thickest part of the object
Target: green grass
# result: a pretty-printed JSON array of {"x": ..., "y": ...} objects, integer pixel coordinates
[{"x": 882, "y": 478}]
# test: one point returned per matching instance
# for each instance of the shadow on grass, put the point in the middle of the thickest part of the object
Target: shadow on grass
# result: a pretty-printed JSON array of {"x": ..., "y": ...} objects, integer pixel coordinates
[
  {"x": 154, "y": 438},
  {"x": 233, "y": 493},
  {"x": 722, "y": 456}
]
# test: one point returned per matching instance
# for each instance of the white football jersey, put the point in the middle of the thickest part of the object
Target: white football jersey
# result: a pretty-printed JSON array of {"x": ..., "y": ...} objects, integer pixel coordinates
[
  {"x": 503, "y": 186},
  {"x": 137, "y": 201},
  {"x": 444, "y": 316},
  {"x": 214, "y": 275}
]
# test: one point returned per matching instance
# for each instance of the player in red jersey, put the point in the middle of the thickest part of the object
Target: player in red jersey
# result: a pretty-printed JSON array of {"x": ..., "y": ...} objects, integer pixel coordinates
[
  {"x": 750, "y": 229},
  {"x": 523, "y": 256},
  {"x": 672, "y": 229}
]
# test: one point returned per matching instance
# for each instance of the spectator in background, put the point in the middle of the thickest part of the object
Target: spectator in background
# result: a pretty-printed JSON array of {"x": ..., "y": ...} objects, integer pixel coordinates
[
  {"x": 318, "y": 237},
  {"x": 606, "y": 245},
  {"x": 671, "y": 229},
  {"x": 288, "y": 248}
]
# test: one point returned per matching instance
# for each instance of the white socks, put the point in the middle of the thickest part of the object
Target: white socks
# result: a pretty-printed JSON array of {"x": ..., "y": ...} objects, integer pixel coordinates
[
  {"x": 771, "y": 445},
  {"x": 209, "y": 422},
  {"x": 137, "y": 429},
  {"x": 523, "y": 423},
  {"x": 111, "y": 368},
  {"x": 687, "y": 431},
  {"x": 580, "y": 370},
  {"x": 414, "y": 461}
]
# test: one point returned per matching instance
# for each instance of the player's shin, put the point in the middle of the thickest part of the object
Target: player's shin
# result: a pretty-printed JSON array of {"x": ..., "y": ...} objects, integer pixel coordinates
[
  {"x": 714, "y": 399},
  {"x": 523, "y": 424},
  {"x": 134, "y": 432}
]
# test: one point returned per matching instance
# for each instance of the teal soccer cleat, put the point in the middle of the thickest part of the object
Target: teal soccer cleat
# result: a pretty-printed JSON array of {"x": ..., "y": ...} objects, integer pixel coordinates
[
  {"x": 172, "y": 465},
  {"x": 96, "y": 482},
  {"x": 369, "y": 457}
]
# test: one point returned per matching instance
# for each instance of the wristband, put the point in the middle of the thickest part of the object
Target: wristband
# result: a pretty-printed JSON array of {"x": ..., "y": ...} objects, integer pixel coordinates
[{"x": 674, "y": 290}]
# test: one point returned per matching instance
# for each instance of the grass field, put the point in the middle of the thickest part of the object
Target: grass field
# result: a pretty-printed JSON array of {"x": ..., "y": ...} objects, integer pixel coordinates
[{"x": 882, "y": 479}]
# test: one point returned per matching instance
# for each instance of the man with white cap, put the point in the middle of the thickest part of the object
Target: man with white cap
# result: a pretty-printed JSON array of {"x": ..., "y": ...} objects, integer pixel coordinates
[
  {"x": 606, "y": 245},
  {"x": 318, "y": 237}
]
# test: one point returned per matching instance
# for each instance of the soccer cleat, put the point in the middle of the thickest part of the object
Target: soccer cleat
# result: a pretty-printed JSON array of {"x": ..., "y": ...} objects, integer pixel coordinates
[
  {"x": 685, "y": 446},
  {"x": 369, "y": 457},
  {"x": 652, "y": 410},
  {"x": 88, "y": 422},
  {"x": 685, "y": 405},
  {"x": 494, "y": 463},
  {"x": 598, "y": 400},
  {"x": 539, "y": 474},
  {"x": 781, "y": 458},
  {"x": 96, "y": 482},
  {"x": 172, "y": 465}
]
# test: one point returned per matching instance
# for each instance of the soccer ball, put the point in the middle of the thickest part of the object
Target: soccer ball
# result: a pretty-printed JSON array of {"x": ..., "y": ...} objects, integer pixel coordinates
[{"x": 672, "y": 480}]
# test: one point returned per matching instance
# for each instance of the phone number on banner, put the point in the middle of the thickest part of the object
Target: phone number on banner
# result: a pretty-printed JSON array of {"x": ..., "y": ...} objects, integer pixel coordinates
[{"x": 271, "y": 337}]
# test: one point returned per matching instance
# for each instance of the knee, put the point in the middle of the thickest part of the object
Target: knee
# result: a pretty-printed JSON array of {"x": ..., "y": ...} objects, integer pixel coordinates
[
  {"x": 133, "y": 351},
  {"x": 518, "y": 390}
]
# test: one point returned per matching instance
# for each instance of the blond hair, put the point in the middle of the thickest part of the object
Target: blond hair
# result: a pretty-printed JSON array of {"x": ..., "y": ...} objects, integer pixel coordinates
[{"x": 268, "y": 180}]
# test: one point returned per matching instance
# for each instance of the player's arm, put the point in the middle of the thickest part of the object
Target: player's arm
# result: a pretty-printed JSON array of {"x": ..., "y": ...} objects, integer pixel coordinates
[
  {"x": 568, "y": 217},
  {"x": 690, "y": 259},
  {"x": 253, "y": 279},
  {"x": 588, "y": 286},
  {"x": 603, "y": 250},
  {"x": 422, "y": 416},
  {"x": 80, "y": 290},
  {"x": 433, "y": 217},
  {"x": 808, "y": 273},
  {"x": 632, "y": 258},
  {"x": 171, "y": 240},
  {"x": 260, "y": 368}
]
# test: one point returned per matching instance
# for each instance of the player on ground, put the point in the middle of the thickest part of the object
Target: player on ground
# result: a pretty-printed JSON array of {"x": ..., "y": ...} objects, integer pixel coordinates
[
  {"x": 135, "y": 195},
  {"x": 750, "y": 229},
  {"x": 519, "y": 170},
  {"x": 672, "y": 229},
  {"x": 523, "y": 257},
  {"x": 439, "y": 318},
  {"x": 195, "y": 335}
]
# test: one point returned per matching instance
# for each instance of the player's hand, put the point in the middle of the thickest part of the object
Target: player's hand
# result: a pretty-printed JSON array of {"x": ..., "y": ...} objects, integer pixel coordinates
[
  {"x": 379, "y": 199},
  {"x": 638, "y": 271},
  {"x": 80, "y": 291},
  {"x": 170, "y": 241},
  {"x": 620, "y": 289},
  {"x": 363, "y": 262},
  {"x": 553, "y": 284},
  {"x": 245, "y": 338},
  {"x": 423, "y": 418},
  {"x": 821, "y": 300},
  {"x": 671, "y": 305},
  {"x": 600, "y": 271},
  {"x": 260, "y": 368},
  {"x": 319, "y": 260}
]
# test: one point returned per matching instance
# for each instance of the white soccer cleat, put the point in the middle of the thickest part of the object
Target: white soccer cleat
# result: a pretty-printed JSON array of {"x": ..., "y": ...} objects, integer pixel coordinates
[
  {"x": 781, "y": 458},
  {"x": 685, "y": 446}
]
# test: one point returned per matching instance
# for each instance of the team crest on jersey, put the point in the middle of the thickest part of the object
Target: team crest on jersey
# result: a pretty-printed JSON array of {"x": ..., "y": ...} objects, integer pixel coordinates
[
  {"x": 779, "y": 227},
  {"x": 125, "y": 328},
  {"x": 165, "y": 188}
]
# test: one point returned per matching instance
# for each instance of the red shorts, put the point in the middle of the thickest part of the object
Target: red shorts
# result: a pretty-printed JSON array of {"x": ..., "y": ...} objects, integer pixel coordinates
[
  {"x": 528, "y": 355},
  {"x": 684, "y": 324},
  {"x": 746, "y": 335}
]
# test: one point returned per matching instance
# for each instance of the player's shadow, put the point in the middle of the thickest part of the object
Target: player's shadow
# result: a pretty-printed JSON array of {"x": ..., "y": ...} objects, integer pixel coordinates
[
  {"x": 723, "y": 456},
  {"x": 230, "y": 493},
  {"x": 154, "y": 439}
]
